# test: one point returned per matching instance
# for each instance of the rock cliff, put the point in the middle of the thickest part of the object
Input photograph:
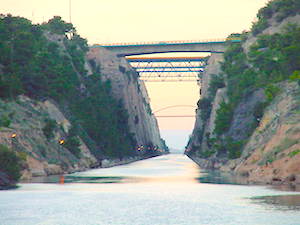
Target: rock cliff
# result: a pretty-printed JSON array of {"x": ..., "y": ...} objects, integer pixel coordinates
[
  {"x": 243, "y": 126},
  {"x": 271, "y": 154},
  {"x": 41, "y": 156},
  {"x": 132, "y": 91},
  {"x": 204, "y": 124},
  {"x": 65, "y": 108}
]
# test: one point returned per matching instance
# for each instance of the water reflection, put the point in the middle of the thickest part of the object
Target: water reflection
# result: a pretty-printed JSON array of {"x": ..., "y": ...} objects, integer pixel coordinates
[
  {"x": 78, "y": 179},
  {"x": 287, "y": 187},
  {"x": 173, "y": 168},
  {"x": 166, "y": 190},
  {"x": 110, "y": 180},
  {"x": 281, "y": 202},
  {"x": 217, "y": 177}
]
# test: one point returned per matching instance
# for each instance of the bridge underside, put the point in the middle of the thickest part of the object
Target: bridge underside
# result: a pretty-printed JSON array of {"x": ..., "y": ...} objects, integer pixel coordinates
[
  {"x": 166, "y": 69},
  {"x": 142, "y": 50},
  {"x": 130, "y": 49},
  {"x": 134, "y": 53}
]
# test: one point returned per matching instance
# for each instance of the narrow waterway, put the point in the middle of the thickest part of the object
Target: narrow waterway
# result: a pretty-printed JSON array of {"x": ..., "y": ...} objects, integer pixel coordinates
[{"x": 157, "y": 191}]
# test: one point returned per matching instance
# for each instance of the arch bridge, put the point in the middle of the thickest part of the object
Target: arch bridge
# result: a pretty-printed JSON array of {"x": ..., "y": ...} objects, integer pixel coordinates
[{"x": 174, "y": 106}]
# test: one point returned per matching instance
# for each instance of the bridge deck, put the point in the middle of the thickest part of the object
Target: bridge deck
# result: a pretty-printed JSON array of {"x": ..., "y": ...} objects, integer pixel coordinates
[
  {"x": 162, "y": 43},
  {"x": 128, "y": 49},
  {"x": 167, "y": 59}
]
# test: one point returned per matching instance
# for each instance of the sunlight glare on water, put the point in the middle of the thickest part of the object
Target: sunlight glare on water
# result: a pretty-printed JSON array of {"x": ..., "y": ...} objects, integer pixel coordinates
[{"x": 158, "y": 191}]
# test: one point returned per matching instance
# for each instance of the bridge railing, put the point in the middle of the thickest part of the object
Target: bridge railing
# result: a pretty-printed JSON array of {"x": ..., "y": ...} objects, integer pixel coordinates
[{"x": 168, "y": 42}]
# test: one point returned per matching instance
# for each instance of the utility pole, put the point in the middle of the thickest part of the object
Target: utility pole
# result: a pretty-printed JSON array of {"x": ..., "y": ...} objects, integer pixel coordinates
[{"x": 70, "y": 14}]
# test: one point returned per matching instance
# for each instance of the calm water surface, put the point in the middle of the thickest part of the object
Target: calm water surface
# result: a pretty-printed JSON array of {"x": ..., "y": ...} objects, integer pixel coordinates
[{"x": 158, "y": 191}]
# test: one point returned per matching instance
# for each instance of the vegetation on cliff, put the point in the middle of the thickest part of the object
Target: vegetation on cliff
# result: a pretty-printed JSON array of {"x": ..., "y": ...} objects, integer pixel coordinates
[
  {"x": 269, "y": 61},
  {"x": 277, "y": 8},
  {"x": 276, "y": 58},
  {"x": 47, "y": 61},
  {"x": 9, "y": 167}
]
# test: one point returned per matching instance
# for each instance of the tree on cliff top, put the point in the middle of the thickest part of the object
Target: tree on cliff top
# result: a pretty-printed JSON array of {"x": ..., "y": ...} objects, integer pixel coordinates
[
  {"x": 57, "y": 26},
  {"x": 9, "y": 163},
  {"x": 40, "y": 68}
]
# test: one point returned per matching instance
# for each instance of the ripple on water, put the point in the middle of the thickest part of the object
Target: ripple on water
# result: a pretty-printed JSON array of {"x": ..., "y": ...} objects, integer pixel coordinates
[
  {"x": 279, "y": 202},
  {"x": 166, "y": 190}
]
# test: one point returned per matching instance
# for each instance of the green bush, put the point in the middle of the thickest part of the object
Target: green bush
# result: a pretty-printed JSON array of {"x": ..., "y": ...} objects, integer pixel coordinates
[
  {"x": 274, "y": 154},
  {"x": 207, "y": 153},
  {"x": 271, "y": 91},
  {"x": 5, "y": 121},
  {"x": 49, "y": 128},
  {"x": 41, "y": 69},
  {"x": 204, "y": 104},
  {"x": 58, "y": 26},
  {"x": 259, "y": 108},
  {"x": 259, "y": 26},
  {"x": 216, "y": 82},
  {"x": 9, "y": 163},
  {"x": 272, "y": 59},
  {"x": 234, "y": 148},
  {"x": 223, "y": 118},
  {"x": 72, "y": 143},
  {"x": 280, "y": 8},
  {"x": 295, "y": 76},
  {"x": 293, "y": 153}
]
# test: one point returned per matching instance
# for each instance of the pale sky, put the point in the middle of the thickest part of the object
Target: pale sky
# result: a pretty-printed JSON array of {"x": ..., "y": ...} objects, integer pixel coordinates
[
  {"x": 111, "y": 21},
  {"x": 143, "y": 20}
]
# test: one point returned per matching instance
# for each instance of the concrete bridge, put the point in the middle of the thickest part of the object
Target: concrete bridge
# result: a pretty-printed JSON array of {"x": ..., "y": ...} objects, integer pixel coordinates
[
  {"x": 168, "y": 68},
  {"x": 128, "y": 49}
]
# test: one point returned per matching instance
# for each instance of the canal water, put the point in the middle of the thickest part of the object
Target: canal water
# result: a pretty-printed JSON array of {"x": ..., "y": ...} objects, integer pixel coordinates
[{"x": 165, "y": 190}]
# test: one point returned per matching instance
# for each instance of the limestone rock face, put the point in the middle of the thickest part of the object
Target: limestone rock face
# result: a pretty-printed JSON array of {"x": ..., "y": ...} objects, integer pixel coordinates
[
  {"x": 243, "y": 115},
  {"x": 127, "y": 87},
  {"x": 201, "y": 127},
  {"x": 41, "y": 156},
  {"x": 274, "y": 27},
  {"x": 271, "y": 153},
  {"x": 213, "y": 67}
]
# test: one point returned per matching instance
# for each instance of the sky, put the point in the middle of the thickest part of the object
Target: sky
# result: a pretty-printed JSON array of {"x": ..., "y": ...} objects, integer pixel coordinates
[{"x": 115, "y": 21}]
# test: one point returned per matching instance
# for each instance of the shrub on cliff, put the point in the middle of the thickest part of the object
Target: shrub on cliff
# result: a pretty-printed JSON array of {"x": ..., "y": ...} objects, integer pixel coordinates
[
  {"x": 234, "y": 148},
  {"x": 216, "y": 82},
  {"x": 275, "y": 57},
  {"x": 271, "y": 91},
  {"x": 295, "y": 76},
  {"x": 57, "y": 26},
  {"x": 41, "y": 69},
  {"x": 223, "y": 118},
  {"x": 258, "y": 111},
  {"x": 272, "y": 59},
  {"x": 4, "y": 121},
  {"x": 72, "y": 144},
  {"x": 49, "y": 128},
  {"x": 259, "y": 26},
  {"x": 104, "y": 118},
  {"x": 281, "y": 9},
  {"x": 9, "y": 164},
  {"x": 205, "y": 105}
]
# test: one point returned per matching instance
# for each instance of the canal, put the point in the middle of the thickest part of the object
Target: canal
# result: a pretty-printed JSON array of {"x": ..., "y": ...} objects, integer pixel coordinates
[{"x": 169, "y": 189}]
